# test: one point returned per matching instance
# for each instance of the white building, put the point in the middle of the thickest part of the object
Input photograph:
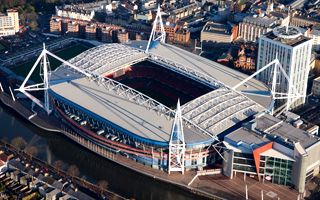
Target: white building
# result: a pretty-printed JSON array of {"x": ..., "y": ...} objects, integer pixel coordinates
[
  {"x": 75, "y": 13},
  {"x": 216, "y": 32},
  {"x": 316, "y": 87},
  {"x": 314, "y": 34},
  {"x": 294, "y": 53},
  {"x": 9, "y": 23},
  {"x": 252, "y": 27}
]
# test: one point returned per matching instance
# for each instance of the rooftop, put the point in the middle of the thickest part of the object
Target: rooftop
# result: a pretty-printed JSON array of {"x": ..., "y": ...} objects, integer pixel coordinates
[
  {"x": 253, "y": 89},
  {"x": 109, "y": 105},
  {"x": 265, "y": 21},
  {"x": 106, "y": 59},
  {"x": 212, "y": 27},
  {"x": 242, "y": 138},
  {"x": 289, "y": 36},
  {"x": 74, "y": 9},
  {"x": 269, "y": 128},
  {"x": 284, "y": 132}
]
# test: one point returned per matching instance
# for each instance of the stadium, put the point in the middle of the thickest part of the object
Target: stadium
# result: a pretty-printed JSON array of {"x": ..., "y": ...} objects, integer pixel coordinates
[{"x": 128, "y": 104}]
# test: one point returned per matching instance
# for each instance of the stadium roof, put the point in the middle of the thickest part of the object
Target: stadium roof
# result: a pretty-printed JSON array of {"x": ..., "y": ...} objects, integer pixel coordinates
[
  {"x": 205, "y": 117},
  {"x": 254, "y": 89},
  {"x": 116, "y": 109},
  {"x": 106, "y": 59}
]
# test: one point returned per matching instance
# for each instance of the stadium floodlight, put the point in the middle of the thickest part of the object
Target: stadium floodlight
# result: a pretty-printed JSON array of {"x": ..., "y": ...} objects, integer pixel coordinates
[{"x": 158, "y": 33}]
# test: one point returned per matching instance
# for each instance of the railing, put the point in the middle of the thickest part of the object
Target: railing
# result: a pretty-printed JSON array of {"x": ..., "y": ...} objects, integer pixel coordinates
[
  {"x": 205, "y": 173},
  {"x": 209, "y": 172}
]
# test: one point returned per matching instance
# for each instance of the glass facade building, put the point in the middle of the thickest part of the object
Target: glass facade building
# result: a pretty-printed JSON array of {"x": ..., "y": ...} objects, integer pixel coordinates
[{"x": 279, "y": 170}]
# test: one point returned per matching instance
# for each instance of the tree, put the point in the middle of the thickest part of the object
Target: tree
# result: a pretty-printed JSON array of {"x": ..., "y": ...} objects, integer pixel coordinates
[
  {"x": 32, "y": 150},
  {"x": 19, "y": 143},
  {"x": 103, "y": 184},
  {"x": 33, "y": 25},
  {"x": 5, "y": 4},
  {"x": 73, "y": 170},
  {"x": 58, "y": 164}
]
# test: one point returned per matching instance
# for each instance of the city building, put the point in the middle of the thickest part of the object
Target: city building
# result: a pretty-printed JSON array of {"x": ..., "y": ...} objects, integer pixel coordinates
[
  {"x": 238, "y": 6},
  {"x": 69, "y": 11},
  {"x": 175, "y": 32},
  {"x": 81, "y": 28},
  {"x": 184, "y": 12},
  {"x": 98, "y": 6},
  {"x": 316, "y": 87},
  {"x": 55, "y": 26},
  {"x": 314, "y": 33},
  {"x": 9, "y": 23},
  {"x": 143, "y": 16},
  {"x": 132, "y": 7},
  {"x": 106, "y": 34},
  {"x": 303, "y": 21},
  {"x": 73, "y": 29},
  {"x": 293, "y": 50},
  {"x": 246, "y": 58},
  {"x": 91, "y": 31},
  {"x": 216, "y": 32},
  {"x": 182, "y": 36},
  {"x": 139, "y": 37},
  {"x": 123, "y": 36},
  {"x": 272, "y": 150},
  {"x": 222, "y": 14},
  {"x": 170, "y": 29},
  {"x": 253, "y": 27}
]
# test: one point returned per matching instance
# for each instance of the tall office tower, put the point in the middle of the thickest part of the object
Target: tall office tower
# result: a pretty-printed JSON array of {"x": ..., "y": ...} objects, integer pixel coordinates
[{"x": 294, "y": 53}]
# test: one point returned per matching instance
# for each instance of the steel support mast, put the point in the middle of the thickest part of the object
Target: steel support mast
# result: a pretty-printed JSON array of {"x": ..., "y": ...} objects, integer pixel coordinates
[
  {"x": 45, "y": 64},
  {"x": 290, "y": 97},
  {"x": 44, "y": 86},
  {"x": 158, "y": 33},
  {"x": 42, "y": 59},
  {"x": 177, "y": 146}
]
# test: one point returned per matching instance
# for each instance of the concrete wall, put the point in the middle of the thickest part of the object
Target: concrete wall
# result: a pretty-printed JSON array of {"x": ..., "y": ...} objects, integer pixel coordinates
[
  {"x": 316, "y": 87},
  {"x": 312, "y": 161},
  {"x": 303, "y": 164},
  {"x": 299, "y": 173},
  {"x": 228, "y": 163}
]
